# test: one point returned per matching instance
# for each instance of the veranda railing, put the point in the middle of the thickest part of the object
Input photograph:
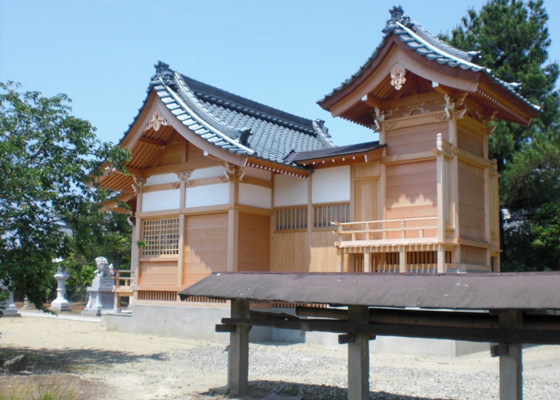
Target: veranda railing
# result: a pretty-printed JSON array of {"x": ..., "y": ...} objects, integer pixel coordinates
[{"x": 401, "y": 229}]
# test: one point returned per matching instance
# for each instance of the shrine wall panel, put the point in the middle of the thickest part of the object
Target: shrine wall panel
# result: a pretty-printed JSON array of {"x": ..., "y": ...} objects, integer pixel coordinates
[
  {"x": 471, "y": 202},
  {"x": 206, "y": 243},
  {"x": 331, "y": 185},
  {"x": 289, "y": 252},
  {"x": 415, "y": 139},
  {"x": 161, "y": 200},
  {"x": 254, "y": 243}
]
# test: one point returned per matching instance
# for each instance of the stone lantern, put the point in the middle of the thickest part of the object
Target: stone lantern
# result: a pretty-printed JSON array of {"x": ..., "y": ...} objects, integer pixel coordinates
[{"x": 60, "y": 303}]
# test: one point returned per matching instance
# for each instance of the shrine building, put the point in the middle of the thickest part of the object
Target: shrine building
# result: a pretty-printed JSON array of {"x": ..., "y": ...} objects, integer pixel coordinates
[{"x": 218, "y": 182}]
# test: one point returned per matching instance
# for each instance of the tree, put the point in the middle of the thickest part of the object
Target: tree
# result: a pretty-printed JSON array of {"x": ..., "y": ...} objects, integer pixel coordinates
[
  {"x": 512, "y": 38},
  {"x": 48, "y": 160},
  {"x": 103, "y": 234}
]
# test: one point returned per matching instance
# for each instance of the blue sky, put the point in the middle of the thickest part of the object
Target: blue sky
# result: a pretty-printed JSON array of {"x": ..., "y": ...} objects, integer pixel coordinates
[{"x": 287, "y": 54}]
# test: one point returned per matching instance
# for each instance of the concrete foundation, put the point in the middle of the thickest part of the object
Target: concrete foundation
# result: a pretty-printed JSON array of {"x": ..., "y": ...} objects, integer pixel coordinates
[{"x": 189, "y": 321}]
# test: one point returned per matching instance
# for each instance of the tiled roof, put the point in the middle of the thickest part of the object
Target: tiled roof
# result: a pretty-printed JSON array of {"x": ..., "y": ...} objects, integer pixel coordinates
[
  {"x": 234, "y": 123},
  {"x": 334, "y": 152},
  {"x": 424, "y": 43}
]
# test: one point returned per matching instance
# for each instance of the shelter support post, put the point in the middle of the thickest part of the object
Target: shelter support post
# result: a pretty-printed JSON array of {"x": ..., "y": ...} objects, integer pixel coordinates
[
  {"x": 358, "y": 356},
  {"x": 238, "y": 355},
  {"x": 511, "y": 367}
]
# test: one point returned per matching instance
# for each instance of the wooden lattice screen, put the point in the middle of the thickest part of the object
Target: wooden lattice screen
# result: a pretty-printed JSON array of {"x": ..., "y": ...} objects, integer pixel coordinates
[
  {"x": 325, "y": 214},
  {"x": 161, "y": 237},
  {"x": 291, "y": 218}
]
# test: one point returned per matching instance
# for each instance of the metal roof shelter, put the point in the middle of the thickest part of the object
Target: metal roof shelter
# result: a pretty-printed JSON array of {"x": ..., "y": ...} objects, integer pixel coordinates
[{"x": 504, "y": 308}]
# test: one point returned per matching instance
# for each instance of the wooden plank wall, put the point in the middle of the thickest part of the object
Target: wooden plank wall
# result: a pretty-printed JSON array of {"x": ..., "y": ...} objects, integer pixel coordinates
[
  {"x": 415, "y": 139},
  {"x": 160, "y": 273},
  {"x": 470, "y": 137},
  {"x": 254, "y": 243},
  {"x": 174, "y": 151},
  {"x": 206, "y": 239},
  {"x": 411, "y": 190},
  {"x": 323, "y": 252},
  {"x": 196, "y": 156},
  {"x": 289, "y": 252},
  {"x": 471, "y": 202}
]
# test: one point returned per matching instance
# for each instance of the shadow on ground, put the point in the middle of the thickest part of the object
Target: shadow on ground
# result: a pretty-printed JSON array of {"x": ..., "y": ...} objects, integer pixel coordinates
[
  {"x": 72, "y": 360},
  {"x": 259, "y": 389}
]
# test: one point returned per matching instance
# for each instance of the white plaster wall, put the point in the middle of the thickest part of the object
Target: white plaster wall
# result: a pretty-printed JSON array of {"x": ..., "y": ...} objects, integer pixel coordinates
[
  {"x": 331, "y": 185},
  {"x": 164, "y": 178},
  {"x": 255, "y": 196},
  {"x": 160, "y": 200},
  {"x": 207, "y": 172},
  {"x": 258, "y": 173},
  {"x": 208, "y": 195},
  {"x": 289, "y": 190}
]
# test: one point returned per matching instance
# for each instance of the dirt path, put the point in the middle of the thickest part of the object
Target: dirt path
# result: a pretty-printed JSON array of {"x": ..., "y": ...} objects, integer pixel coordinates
[{"x": 96, "y": 364}]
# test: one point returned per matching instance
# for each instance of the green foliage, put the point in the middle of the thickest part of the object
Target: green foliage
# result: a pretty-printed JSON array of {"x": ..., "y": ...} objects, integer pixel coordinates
[
  {"x": 49, "y": 159},
  {"x": 512, "y": 38},
  {"x": 107, "y": 235}
]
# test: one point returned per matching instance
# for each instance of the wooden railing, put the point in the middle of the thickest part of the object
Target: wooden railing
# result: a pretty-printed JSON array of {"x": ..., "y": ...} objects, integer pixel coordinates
[
  {"x": 123, "y": 278},
  {"x": 388, "y": 229}
]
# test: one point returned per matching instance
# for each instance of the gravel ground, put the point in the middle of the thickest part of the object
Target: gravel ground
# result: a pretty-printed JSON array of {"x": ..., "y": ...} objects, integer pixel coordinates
[{"x": 115, "y": 365}]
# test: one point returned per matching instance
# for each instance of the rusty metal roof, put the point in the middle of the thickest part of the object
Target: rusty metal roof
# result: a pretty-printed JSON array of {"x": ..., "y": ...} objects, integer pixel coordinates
[{"x": 508, "y": 291}]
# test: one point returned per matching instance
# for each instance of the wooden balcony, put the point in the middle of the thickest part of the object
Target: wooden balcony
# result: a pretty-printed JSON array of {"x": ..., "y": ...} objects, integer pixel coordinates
[
  {"x": 388, "y": 233},
  {"x": 408, "y": 245}
]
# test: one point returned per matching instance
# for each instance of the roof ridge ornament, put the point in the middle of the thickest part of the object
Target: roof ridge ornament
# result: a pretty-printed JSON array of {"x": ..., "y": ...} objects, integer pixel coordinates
[
  {"x": 165, "y": 73},
  {"x": 397, "y": 16}
]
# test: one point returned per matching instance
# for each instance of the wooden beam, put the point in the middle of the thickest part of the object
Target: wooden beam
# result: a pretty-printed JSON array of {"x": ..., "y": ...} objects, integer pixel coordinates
[
  {"x": 152, "y": 142},
  {"x": 238, "y": 354},
  {"x": 402, "y": 101},
  {"x": 505, "y": 335},
  {"x": 358, "y": 356}
]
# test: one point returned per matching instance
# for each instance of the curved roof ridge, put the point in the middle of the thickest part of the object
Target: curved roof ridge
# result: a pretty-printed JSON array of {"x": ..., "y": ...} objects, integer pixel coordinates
[
  {"x": 440, "y": 51},
  {"x": 198, "y": 112},
  {"x": 224, "y": 98}
]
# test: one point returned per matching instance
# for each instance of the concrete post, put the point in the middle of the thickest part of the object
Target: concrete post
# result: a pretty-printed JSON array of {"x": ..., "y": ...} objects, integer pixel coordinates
[
  {"x": 511, "y": 366},
  {"x": 238, "y": 355},
  {"x": 358, "y": 356}
]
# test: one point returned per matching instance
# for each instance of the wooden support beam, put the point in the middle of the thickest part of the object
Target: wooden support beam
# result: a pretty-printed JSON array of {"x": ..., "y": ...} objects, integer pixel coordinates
[
  {"x": 238, "y": 354},
  {"x": 225, "y": 328},
  {"x": 358, "y": 356},
  {"x": 506, "y": 335},
  {"x": 152, "y": 142},
  {"x": 511, "y": 363}
]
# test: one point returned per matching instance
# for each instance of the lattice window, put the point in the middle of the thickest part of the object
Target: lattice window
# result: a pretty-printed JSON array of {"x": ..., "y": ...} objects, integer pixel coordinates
[
  {"x": 324, "y": 215},
  {"x": 291, "y": 218},
  {"x": 161, "y": 237}
]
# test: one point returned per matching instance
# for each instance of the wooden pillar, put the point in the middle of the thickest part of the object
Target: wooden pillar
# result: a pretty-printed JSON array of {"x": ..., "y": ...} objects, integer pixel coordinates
[
  {"x": 511, "y": 364},
  {"x": 233, "y": 221},
  {"x": 238, "y": 354},
  {"x": 183, "y": 176},
  {"x": 310, "y": 221},
  {"x": 367, "y": 260},
  {"x": 358, "y": 356},
  {"x": 402, "y": 260},
  {"x": 137, "y": 234},
  {"x": 339, "y": 260},
  {"x": 441, "y": 259}
]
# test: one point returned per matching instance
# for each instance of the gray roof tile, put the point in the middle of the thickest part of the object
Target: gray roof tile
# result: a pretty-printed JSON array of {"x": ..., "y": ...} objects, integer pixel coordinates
[{"x": 219, "y": 117}]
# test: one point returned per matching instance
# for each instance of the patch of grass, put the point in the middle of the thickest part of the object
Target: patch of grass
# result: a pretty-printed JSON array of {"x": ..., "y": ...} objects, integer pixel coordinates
[{"x": 36, "y": 387}]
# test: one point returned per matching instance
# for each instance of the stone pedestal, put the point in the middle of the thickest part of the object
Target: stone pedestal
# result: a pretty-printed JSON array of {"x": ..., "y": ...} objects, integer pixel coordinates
[
  {"x": 27, "y": 304},
  {"x": 60, "y": 303},
  {"x": 101, "y": 297},
  {"x": 11, "y": 309}
]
